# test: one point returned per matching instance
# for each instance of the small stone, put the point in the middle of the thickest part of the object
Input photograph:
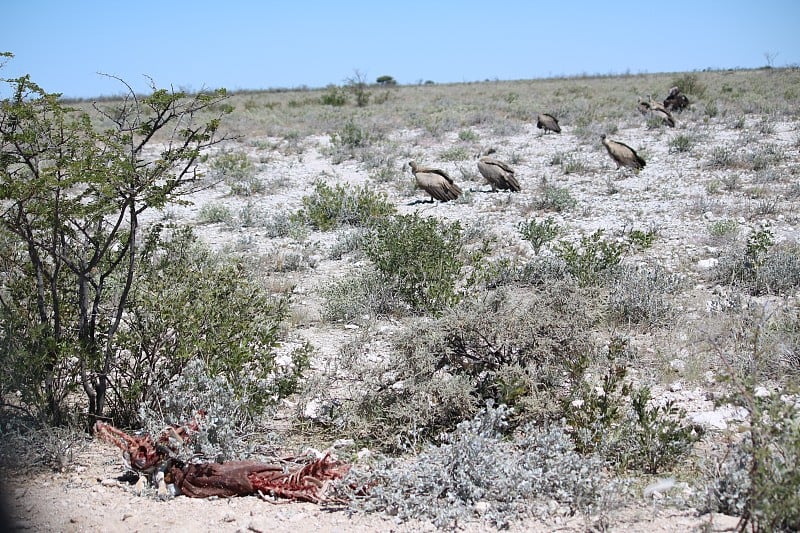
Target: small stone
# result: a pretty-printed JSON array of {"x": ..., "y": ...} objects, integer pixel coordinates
[
  {"x": 109, "y": 482},
  {"x": 707, "y": 264},
  {"x": 482, "y": 507},
  {"x": 678, "y": 365},
  {"x": 363, "y": 454},
  {"x": 676, "y": 386},
  {"x": 719, "y": 418},
  {"x": 343, "y": 443},
  {"x": 312, "y": 409}
]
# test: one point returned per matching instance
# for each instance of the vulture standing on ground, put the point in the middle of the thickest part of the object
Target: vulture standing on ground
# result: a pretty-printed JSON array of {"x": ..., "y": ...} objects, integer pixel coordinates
[
  {"x": 657, "y": 109},
  {"x": 497, "y": 174},
  {"x": 548, "y": 123},
  {"x": 675, "y": 100},
  {"x": 435, "y": 182},
  {"x": 622, "y": 154}
]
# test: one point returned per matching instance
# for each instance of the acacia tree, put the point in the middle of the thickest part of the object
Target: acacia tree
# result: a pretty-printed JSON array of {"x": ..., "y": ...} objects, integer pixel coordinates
[{"x": 72, "y": 194}]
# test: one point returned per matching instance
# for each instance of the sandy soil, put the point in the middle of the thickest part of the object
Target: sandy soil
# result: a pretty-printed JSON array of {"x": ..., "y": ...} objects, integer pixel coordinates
[{"x": 89, "y": 497}]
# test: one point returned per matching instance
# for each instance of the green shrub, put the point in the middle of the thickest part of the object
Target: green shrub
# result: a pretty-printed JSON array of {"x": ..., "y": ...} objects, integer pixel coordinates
[
  {"x": 467, "y": 135},
  {"x": 457, "y": 153},
  {"x": 618, "y": 421},
  {"x": 681, "y": 143},
  {"x": 187, "y": 304},
  {"x": 590, "y": 258},
  {"x": 761, "y": 267},
  {"x": 759, "y": 477},
  {"x": 521, "y": 349},
  {"x": 641, "y": 239},
  {"x": 553, "y": 198},
  {"x": 350, "y": 136},
  {"x": 724, "y": 229},
  {"x": 765, "y": 156},
  {"x": 213, "y": 213},
  {"x": 421, "y": 257},
  {"x": 334, "y": 96},
  {"x": 239, "y": 173},
  {"x": 358, "y": 295},
  {"x": 331, "y": 207},
  {"x": 539, "y": 233},
  {"x": 569, "y": 162},
  {"x": 731, "y": 182},
  {"x": 690, "y": 84}
]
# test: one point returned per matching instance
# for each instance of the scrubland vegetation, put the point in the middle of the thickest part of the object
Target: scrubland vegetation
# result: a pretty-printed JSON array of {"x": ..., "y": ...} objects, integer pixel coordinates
[{"x": 503, "y": 356}]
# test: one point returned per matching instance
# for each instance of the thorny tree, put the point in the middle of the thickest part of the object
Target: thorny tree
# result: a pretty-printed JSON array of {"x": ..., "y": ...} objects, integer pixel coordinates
[{"x": 71, "y": 198}]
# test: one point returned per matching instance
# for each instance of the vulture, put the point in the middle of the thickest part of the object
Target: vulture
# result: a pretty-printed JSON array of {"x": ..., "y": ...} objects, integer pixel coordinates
[
  {"x": 548, "y": 123},
  {"x": 658, "y": 109},
  {"x": 435, "y": 182},
  {"x": 665, "y": 116},
  {"x": 643, "y": 107},
  {"x": 675, "y": 100},
  {"x": 497, "y": 174},
  {"x": 622, "y": 154}
]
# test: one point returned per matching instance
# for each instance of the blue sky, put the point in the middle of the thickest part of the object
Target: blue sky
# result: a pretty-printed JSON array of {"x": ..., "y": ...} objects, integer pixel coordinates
[{"x": 63, "y": 45}]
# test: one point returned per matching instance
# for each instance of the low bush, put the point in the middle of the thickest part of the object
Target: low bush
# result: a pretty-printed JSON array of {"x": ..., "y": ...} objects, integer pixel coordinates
[
  {"x": 189, "y": 304},
  {"x": 421, "y": 258},
  {"x": 331, "y": 207},
  {"x": 359, "y": 295},
  {"x": 592, "y": 257},
  {"x": 350, "y": 136},
  {"x": 214, "y": 213},
  {"x": 758, "y": 479},
  {"x": 539, "y": 233},
  {"x": 552, "y": 198},
  {"x": 681, "y": 143},
  {"x": 643, "y": 295},
  {"x": 477, "y": 466},
  {"x": 612, "y": 418},
  {"x": 761, "y": 267},
  {"x": 517, "y": 350},
  {"x": 238, "y": 172},
  {"x": 334, "y": 96}
]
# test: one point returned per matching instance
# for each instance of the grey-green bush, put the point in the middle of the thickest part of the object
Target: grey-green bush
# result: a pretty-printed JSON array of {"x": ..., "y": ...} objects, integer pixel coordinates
[{"x": 477, "y": 463}]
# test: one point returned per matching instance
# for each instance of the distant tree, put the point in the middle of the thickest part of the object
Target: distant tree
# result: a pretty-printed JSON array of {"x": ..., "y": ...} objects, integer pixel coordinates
[
  {"x": 358, "y": 86},
  {"x": 386, "y": 81},
  {"x": 71, "y": 200},
  {"x": 770, "y": 57}
]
